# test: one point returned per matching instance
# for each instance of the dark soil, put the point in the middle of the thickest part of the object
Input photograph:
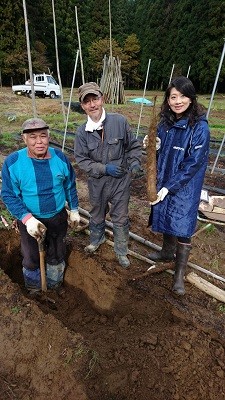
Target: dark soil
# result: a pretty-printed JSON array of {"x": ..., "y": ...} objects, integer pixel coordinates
[{"x": 114, "y": 334}]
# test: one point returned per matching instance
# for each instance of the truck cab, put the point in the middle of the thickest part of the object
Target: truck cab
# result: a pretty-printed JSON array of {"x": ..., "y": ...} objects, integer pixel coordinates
[
  {"x": 44, "y": 85},
  {"x": 49, "y": 83}
]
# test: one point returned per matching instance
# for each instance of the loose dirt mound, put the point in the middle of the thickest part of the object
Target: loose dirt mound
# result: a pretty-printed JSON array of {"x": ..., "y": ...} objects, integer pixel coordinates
[
  {"x": 115, "y": 334},
  {"x": 111, "y": 337}
]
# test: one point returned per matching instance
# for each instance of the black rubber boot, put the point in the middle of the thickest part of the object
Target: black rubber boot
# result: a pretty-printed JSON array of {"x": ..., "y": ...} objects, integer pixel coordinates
[
  {"x": 121, "y": 237},
  {"x": 97, "y": 236},
  {"x": 168, "y": 249},
  {"x": 182, "y": 254}
]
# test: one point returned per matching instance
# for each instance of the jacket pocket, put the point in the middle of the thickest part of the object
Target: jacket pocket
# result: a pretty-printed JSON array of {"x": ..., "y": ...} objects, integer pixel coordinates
[
  {"x": 95, "y": 151},
  {"x": 92, "y": 146},
  {"x": 115, "y": 147}
]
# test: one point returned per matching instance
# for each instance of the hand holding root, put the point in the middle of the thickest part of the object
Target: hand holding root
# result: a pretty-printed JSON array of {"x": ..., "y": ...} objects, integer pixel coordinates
[
  {"x": 73, "y": 218},
  {"x": 145, "y": 142},
  {"x": 160, "y": 196},
  {"x": 35, "y": 228}
]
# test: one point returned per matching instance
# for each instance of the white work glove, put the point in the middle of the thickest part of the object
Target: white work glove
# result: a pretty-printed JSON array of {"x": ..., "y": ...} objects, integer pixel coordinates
[
  {"x": 145, "y": 142},
  {"x": 160, "y": 195},
  {"x": 35, "y": 228},
  {"x": 73, "y": 218}
]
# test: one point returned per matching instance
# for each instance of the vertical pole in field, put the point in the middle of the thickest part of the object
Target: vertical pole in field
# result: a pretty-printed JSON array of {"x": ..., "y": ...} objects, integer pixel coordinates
[
  {"x": 188, "y": 71},
  {"x": 29, "y": 60},
  {"x": 71, "y": 94},
  {"x": 57, "y": 62},
  {"x": 110, "y": 51},
  {"x": 211, "y": 100},
  {"x": 216, "y": 80},
  {"x": 146, "y": 80},
  {"x": 79, "y": 44},
  {"x": 171, "y": 73}
]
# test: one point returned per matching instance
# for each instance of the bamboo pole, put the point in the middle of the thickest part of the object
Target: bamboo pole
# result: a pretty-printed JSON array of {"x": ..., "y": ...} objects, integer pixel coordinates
[
  {"x": 79, "y": 43},
  {"x": 110, "y": 49},
  {"x": 216, "y": 80},
  {"x": 189, "y": 68},
  {"x": 130, "y": 252},
  {"x": 146, "y": 80},
  {"x": 57, "y": 62},
  {"x": 156, "y": 247},
  {"x": 192, "y": 277},
  {"x": 171, "y": 74},
  {"x": 29, "y": 60},
  {"x": 201, "y": 230},
  {"x": 218, "y": 154},
  {"x": 206, "y": 287},
  {"x": 71, "y": 94},
  {"x": 111, "y": 81}
]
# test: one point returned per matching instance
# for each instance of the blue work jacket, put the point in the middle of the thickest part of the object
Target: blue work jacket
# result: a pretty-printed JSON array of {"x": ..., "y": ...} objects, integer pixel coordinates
[{"x": 181, "y": 165}]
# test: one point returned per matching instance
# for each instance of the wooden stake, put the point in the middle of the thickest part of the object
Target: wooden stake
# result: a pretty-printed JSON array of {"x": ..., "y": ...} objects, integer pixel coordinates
[
  {"x": 206, "y": 286},
  {"x": 29, "y": 60},
  {"x": 79, "y": 43},
  {"x": 57, "y": 62}
]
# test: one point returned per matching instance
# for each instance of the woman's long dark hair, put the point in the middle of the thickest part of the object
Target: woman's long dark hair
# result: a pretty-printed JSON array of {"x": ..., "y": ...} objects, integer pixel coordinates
[{"x": 186, "y": 87}]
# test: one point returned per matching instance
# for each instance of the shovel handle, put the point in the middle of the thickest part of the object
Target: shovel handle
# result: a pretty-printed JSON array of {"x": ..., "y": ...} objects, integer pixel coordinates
[{"x": 42, "y": 266}]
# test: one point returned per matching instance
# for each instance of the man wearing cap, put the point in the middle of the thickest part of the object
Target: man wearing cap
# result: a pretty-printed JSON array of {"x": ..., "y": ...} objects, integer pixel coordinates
[
  {"x": 108, "y": 152},
  {"x": 37, "y": 181}
]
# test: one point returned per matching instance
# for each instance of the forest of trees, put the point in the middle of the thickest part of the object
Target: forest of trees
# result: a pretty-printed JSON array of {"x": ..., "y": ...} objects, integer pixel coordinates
[{"x": 180, "y": 32}]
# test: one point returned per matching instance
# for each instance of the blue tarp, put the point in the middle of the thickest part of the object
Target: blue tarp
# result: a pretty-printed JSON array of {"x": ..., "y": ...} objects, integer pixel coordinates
[{"x": 142, "y": 100}]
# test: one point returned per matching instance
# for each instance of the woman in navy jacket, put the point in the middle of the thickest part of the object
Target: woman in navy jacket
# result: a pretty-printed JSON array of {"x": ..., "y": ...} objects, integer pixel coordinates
[{"x": 181, "y": 165}]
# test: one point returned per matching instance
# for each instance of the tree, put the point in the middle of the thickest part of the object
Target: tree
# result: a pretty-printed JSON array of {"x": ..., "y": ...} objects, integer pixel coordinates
[
  {"x": 180, "y": 32},
  {"x": 128, "y": 56},
  {"x": 12, "y": 34},
  {"x": 98, "y": 49},
  {"x": 130, "y": 62}
]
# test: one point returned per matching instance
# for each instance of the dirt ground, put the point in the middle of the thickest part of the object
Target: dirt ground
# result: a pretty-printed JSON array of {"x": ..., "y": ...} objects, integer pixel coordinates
[{"x": 114, "y": 334}]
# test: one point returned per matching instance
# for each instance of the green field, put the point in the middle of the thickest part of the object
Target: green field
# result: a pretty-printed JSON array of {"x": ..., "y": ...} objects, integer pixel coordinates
[{"x": 15, "y": 109}]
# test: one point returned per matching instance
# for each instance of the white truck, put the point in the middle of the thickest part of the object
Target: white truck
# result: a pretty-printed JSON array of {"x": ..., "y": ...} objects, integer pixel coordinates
[{"x": 44, "y": 85}]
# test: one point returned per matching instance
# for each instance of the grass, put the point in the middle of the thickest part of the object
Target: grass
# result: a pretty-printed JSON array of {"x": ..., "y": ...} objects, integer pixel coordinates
[
  {"x": 214, "y": 264},
  {"x": 15, "y": 109},
  {"x": 222, "y": 308},
  {"x": 82, "y": 351},
  {"x": 7, "y": 140},
  {"x": 15, "y": 310},
  {"x": 5, "y": 214},
  {"x": 93, "y": 361},
  {"x": 210, "y": 230}
]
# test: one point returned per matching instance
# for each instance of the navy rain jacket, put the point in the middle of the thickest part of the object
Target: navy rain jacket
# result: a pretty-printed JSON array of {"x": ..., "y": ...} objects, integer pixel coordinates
[{"x": 181, "y": 165}]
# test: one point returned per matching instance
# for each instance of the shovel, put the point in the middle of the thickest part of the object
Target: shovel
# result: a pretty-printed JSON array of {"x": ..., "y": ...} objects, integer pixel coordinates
[
  {"x": 44, "y": 298},
  {"x": 42, "y": 264}
]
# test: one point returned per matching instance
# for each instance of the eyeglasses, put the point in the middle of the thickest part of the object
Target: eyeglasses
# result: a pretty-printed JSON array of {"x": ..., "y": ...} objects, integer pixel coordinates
[{"x": 90, "y": 100}]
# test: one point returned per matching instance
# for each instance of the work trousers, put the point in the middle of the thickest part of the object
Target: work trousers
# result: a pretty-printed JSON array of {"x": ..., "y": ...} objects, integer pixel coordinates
[
  {"x": 109, "y": 194},
  {"x": 55, "y": 247}
]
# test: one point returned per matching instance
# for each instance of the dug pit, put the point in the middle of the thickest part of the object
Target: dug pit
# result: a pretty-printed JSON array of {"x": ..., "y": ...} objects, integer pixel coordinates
[{"x": 110, "y": 338}]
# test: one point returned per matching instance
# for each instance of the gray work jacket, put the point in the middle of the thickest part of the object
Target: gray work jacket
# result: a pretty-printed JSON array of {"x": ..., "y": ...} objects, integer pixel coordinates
[{"x": 116, "y": 144}]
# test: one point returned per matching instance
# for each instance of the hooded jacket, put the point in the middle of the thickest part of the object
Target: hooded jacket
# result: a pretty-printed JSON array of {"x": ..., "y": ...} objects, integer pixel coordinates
[{"x": 181, "y": 165}]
